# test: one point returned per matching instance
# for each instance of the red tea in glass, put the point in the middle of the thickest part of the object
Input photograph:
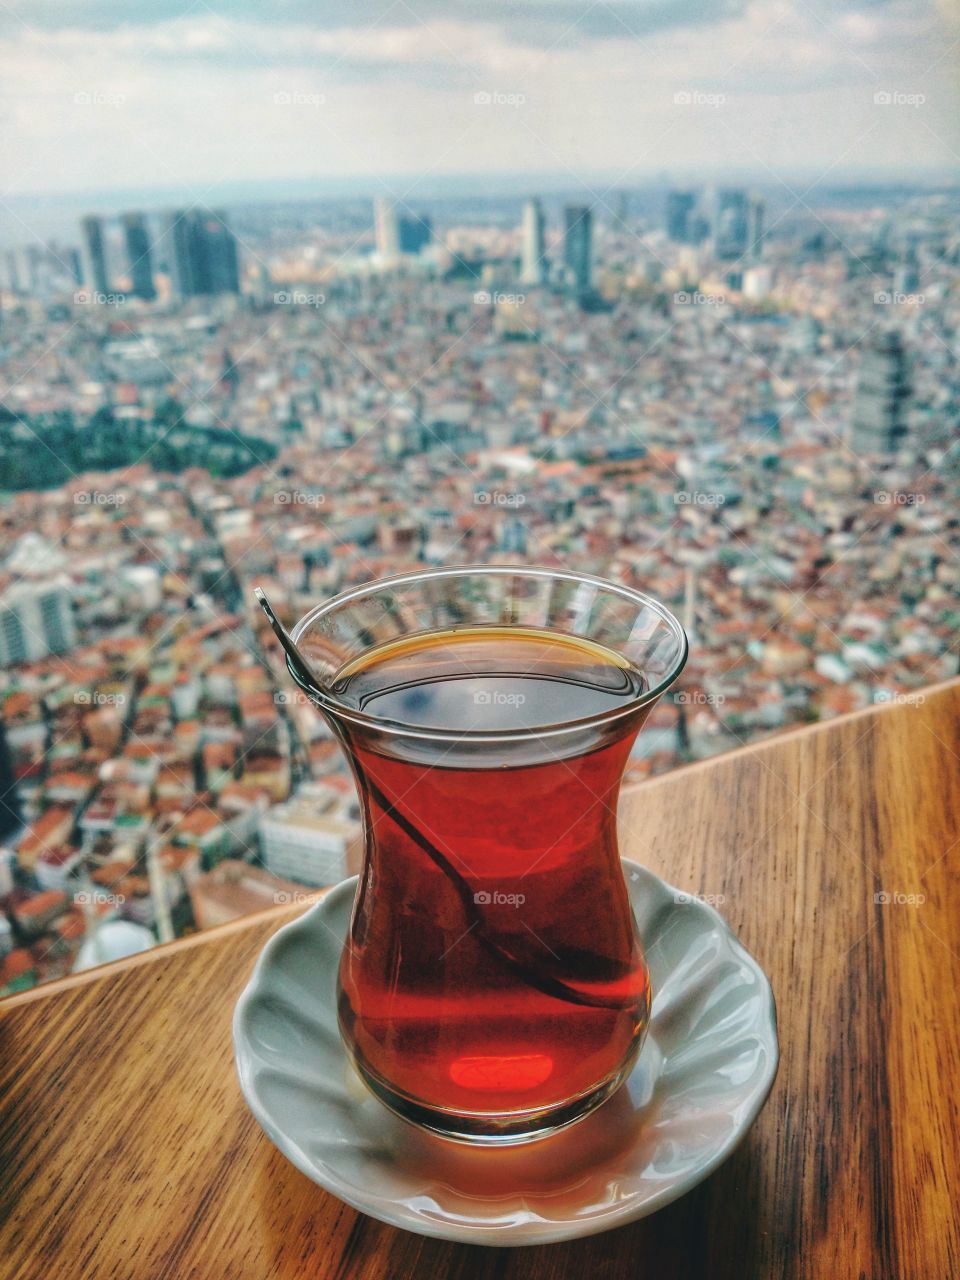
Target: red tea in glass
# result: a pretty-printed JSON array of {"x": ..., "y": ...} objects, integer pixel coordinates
[{"x": 493, "y": 986}]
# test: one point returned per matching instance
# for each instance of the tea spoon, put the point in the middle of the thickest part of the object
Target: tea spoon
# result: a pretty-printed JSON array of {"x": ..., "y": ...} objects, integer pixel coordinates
[{"x": 294, "y": 656}]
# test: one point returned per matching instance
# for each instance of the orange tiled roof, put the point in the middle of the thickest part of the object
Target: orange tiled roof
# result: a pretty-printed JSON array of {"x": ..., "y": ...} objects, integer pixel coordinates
[
  {"x": 198, "y": 823},
  {"x": 42, "y": 830},
  {"x": 19, "y": 705},
  {"x": 71, "y": 926},
  {"x": 15, "y": 965},
  {"x": 111, "y": 873},
  {"x": 40, "y": 904}
]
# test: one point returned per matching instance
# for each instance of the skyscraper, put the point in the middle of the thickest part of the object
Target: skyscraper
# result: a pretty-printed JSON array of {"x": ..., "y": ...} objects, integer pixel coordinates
[
  {"x": 680, "y": 205},
  {"x": 414, "y": 233},
  {"x": 755, "y": 213},
  {"x": 731, "y": 224},
  {"x": 94, "y": 255},
  {"x": 698, "y": 229},
  {"x": 201, "y": 253},
  {"x": 906, "y": 275},
  {"x": 139, "y": 264},
  {"x": 577, "y": 230},
  {"x": 176, "y": 240},
  {"x": 216, "y": 248},
  {"x": 13, "y": 272},
  {"x": 74, "y": 261},
  {"x": 878, "y": 423},
  {"x": 33, "y": 259},
  {"x": 387, "y": 228},
  {"x": 532, "y": 249}
]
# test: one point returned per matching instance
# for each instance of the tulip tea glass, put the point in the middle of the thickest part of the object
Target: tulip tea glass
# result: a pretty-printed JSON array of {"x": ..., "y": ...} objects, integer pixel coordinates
[{"x": 493, "y": 987}]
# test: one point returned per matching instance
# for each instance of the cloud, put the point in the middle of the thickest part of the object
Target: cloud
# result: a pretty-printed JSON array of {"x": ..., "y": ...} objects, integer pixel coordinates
[
  {"x": 193, "y": 98},
  {"x": 537, "y": 22}
]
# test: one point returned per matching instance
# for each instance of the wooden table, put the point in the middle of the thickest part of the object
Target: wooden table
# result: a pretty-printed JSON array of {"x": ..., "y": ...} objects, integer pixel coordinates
[{"x": 126, "y": 1150}]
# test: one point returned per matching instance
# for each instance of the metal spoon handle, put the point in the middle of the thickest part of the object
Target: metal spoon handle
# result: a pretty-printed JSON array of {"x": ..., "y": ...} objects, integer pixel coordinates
[{"x": 294, "y": 657}]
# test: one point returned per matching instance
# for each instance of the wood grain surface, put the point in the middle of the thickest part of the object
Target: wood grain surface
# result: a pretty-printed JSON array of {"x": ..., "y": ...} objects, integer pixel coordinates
[{"x": 126, "y": 1150}]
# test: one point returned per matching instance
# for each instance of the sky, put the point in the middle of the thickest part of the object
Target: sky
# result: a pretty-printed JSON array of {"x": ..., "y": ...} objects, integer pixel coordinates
[{"x": 98, "y": 95}]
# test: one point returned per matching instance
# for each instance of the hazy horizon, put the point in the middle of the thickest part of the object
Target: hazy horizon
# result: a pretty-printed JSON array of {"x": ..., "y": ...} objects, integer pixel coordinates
[{"x": 54, "y": 215}]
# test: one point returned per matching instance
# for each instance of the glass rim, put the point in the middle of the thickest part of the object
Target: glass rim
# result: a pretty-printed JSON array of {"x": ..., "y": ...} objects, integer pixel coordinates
[{"x": 398, "y": 728}]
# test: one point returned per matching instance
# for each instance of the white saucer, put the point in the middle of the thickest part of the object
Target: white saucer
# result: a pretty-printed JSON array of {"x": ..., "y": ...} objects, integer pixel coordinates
[{"x": 706, "y": 1067}]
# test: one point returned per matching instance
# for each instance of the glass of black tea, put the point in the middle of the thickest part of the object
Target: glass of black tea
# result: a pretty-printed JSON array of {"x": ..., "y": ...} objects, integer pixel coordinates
[{"x": 493, "y": 987}]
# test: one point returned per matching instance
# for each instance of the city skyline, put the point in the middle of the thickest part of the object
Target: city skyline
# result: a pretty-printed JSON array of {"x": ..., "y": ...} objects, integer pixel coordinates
[{"x": 45, "y": 217}]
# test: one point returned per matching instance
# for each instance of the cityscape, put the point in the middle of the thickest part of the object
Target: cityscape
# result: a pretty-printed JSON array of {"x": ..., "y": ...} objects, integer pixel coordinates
[{"x": 747, "y": 408}]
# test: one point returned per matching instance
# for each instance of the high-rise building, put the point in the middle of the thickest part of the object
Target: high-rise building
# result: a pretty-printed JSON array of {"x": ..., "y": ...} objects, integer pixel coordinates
[
  {"x": 139, "y": 265},
  {"x": 387, "y": 228},
  {"x": 533, "y": 262},
  {"x": 680, "y": 205},
  {"x": 13, "y": 272},
  {"x": 577, "y": 231},
  {"x": 878, "y": 422},
  {"x": 201, "y": 253},
  {"x": 906, "y": 275},
  {"x": 74, "y": 262},
  {"x": 731, "y": 224},
  {"x": 94, "y": 255},
  {"x": 414, "y": 233},
  {"x": 35, "y": 619},
  {"x": 216, "y": 247},
  {"x": 33, "y": 261},
  {"x": 175, "y": 242},
  {"x": 755, "y": 215},
  {"x": 698, "y": 229}
]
